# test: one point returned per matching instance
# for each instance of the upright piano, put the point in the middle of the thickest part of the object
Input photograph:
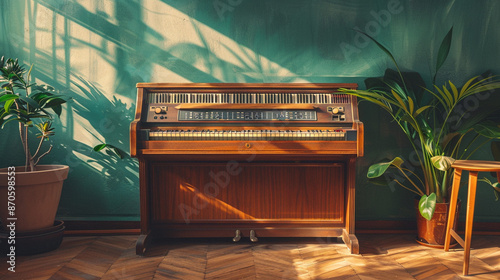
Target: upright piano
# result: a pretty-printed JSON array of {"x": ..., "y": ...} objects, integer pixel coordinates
[{"x": 246, "y": 160}]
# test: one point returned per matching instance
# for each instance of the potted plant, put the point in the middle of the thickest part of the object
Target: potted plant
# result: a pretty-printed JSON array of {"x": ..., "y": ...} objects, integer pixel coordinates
[
  {"x": 437, "y": 127},
  {"x": 32, "y": 191}
]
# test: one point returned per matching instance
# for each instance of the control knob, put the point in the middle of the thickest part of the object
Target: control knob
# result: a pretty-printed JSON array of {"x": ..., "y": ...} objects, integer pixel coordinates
[{"x": 337, "y": 110}]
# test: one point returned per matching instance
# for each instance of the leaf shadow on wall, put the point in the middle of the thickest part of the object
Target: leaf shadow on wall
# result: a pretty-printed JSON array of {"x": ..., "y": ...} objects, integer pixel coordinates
[{"x": 110, "y": 182}]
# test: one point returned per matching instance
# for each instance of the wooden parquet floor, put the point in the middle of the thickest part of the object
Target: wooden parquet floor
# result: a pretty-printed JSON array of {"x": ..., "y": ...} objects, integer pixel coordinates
[{"x": 382, "y": 257}]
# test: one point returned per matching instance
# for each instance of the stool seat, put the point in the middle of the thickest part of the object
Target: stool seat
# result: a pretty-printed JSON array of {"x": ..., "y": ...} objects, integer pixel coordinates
[
  {"x": 477, "y": 165},
  {"x": 474, "y": 167}
]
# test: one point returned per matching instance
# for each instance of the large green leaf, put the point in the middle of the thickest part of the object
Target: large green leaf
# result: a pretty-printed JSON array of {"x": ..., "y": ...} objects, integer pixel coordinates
[
  {"x": 57, "y": 109},
  {"x": 378, "y": 169},
  {"x": 427, "y": 206},
  {"x": 443, "y": 52},
  {"x": 7, "y": 97},
  {"x": 30, "y": 101},
  {"x": 442, "y": 163},
  {"x": 40, "y": 96},
  {"x": 54, "y": 101},
  {"x": 7, "y": 105}
]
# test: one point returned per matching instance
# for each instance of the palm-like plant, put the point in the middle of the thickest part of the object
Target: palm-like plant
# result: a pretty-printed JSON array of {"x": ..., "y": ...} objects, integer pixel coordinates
[
  {"x": 434, "y": 122},
  {"x": 27, "y": 103}
]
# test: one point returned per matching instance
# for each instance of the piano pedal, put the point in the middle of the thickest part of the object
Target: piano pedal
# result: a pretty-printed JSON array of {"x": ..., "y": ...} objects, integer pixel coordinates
[
  {"x": 253, "y": 238},
  {"x": 238, "y": 236}
]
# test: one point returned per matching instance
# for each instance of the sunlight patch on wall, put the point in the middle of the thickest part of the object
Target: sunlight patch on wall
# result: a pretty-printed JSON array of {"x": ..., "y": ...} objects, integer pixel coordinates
[
  {"x": 65, "y": 48},
  {"x": 205, "y": 48},
  {"x": 86, "y": 133},
  {"x": 160, "y": 74}
]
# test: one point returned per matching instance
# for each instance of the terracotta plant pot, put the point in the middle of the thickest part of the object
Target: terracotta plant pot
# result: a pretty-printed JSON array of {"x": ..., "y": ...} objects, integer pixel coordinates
[
  {"x": 36, "y": 196},
  {"x": 432, "y": 233}
]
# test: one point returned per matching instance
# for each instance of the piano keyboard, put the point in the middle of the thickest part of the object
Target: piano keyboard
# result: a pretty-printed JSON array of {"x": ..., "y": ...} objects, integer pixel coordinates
[
  {"x": 248, "y": 98},
  {"x": 259, "y": 135}
]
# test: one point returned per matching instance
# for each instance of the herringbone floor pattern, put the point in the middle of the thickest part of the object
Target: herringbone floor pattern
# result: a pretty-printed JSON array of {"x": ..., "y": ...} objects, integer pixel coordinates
[{"x": 382, "y": 257}]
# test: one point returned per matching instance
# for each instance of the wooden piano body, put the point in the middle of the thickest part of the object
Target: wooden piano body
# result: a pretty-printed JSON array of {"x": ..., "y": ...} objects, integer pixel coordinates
[{"x": 274, "y": 160}]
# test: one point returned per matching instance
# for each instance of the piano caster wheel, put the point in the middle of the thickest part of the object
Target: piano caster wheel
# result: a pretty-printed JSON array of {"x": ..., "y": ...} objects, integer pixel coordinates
[
  {"x": 253, "y": 238},
  {"x": 238, "y": 236}
]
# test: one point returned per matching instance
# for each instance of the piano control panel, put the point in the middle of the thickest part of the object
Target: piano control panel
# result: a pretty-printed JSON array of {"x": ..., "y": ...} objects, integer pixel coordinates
[
  {"x": 247, "y": 115},
  {"x": 297, "y": 115},
  {"x": 212, "y": 107},
  {"x": 159, "y": 113}
]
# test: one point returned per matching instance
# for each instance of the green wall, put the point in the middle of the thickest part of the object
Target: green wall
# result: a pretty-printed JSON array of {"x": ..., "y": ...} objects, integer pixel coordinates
[{"x": 96, "y": 51}]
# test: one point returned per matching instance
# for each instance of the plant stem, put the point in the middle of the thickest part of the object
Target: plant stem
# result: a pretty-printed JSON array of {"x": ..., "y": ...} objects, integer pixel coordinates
[
  {"x": 413, "y": 191},
  {"x": 27, "y": 91},
  {"x": 23, "y": 142},
  {"x": 413, "y": 173},
  {"x": 23, "y": 131},
  {"x": 39, "y": 146},
  {"x": 406, "y": 176},
  {"x": 42, "y": 155},
  {"x": 28, "y": 153},
  {"x": 444, "y": 184}
]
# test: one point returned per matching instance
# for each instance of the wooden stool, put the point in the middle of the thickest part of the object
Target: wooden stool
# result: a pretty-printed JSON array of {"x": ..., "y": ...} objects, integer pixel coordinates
[{"x": 473, "y": 166}]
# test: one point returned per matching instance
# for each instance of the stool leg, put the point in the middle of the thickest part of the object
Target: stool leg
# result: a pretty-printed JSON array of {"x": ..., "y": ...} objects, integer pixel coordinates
[
  {"x": 453, "y": 206},
  {"x": 471, "y": 201}
]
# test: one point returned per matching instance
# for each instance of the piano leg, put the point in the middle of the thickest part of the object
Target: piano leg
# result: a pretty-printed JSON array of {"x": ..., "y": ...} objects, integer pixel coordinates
[
  {"x": 142, "y": 244},
  {"x": 145, "y": 237},
  {"x": 348, "y": 233},
  {"x": 351, "y": 241}
]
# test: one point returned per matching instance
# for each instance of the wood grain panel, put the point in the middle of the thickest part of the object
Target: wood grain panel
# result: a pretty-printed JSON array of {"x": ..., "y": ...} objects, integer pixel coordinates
[
  {"x": 249, "y": 147},
  {"x": 247, "y": 191}
]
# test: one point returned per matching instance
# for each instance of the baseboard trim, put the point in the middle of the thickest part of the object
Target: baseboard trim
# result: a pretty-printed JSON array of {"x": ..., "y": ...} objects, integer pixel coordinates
[
  {"x": 362, "y": 227},
  {"x": 102, "y": 228}
]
